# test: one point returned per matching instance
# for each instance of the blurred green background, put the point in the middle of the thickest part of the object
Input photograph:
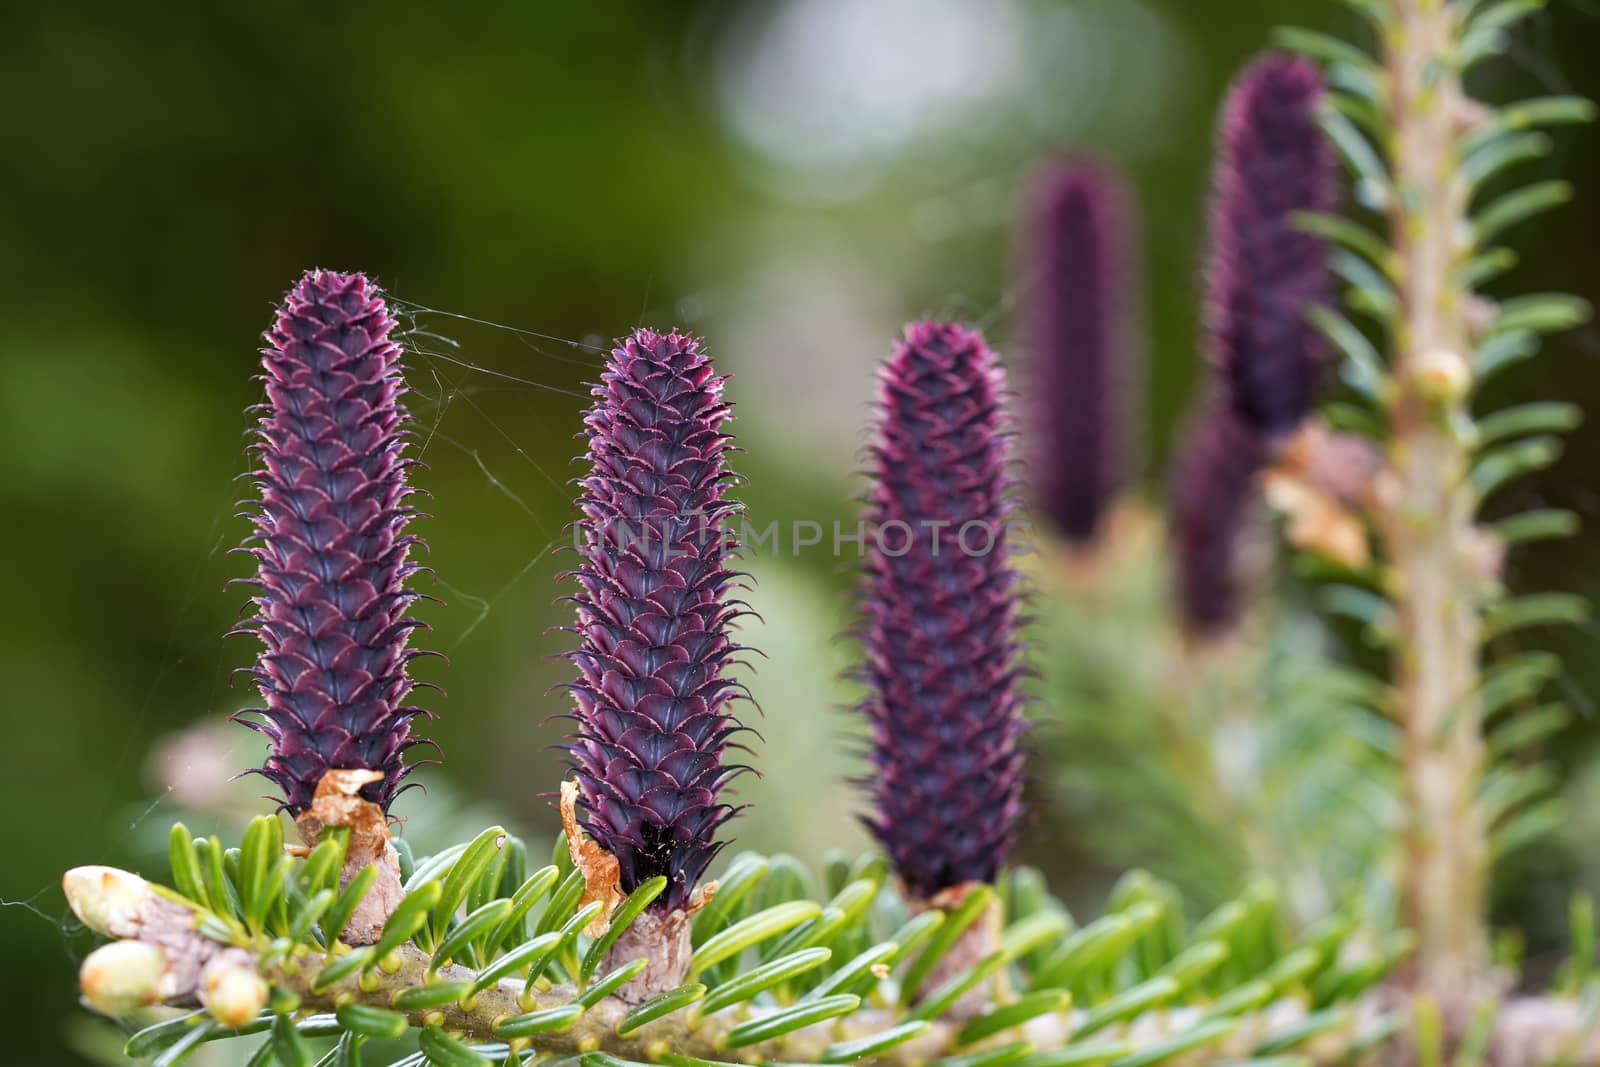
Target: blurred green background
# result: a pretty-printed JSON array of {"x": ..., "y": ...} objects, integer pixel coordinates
[{"x": 792, "y": 179}]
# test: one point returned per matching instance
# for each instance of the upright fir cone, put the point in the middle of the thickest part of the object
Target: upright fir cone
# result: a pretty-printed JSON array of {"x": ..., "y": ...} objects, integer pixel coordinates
[
  {"x": 654, "y": 615},
  {"x": 1083, "y": 362},
  {"x": 330, "y": 544},
  {"x": 940, "y": 605},
  {"x": 1266, "y": 273},
  {"x": 1214, "y": 494}
]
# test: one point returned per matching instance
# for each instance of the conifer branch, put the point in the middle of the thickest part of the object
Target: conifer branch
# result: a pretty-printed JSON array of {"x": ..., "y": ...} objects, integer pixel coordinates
[
  {"x": 560, "y": 1020},
  {"x": 1425, "y": 511}
]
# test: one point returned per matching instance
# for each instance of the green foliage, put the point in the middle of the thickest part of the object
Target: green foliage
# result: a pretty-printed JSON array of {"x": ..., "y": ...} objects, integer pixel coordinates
[
  {"x": 1285, "y": 761},
  {"x": 1214, "y": 763},
  {"x": 1502, "y": 447},
  {"x": 1280, "y": 762},
  {"x": 865, "y": 961}
]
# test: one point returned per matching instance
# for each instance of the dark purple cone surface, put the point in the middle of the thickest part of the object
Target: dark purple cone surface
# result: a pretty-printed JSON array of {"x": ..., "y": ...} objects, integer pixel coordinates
[
  {"x": 1214, "y": 496},
  {"x": 1083, "y": 363},
  {"x": 940, "y": 605},
  {"x": 654, "y": 613},
  {"x": 330, "y": 544},
  {"x": 1265, "y": 273}
]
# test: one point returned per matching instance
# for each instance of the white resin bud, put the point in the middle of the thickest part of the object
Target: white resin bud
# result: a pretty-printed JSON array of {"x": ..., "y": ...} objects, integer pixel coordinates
[
  {"x": 122, "y": 976},
  {"x": 108, "y": 900},
  {"x": 233, "y": 993}
]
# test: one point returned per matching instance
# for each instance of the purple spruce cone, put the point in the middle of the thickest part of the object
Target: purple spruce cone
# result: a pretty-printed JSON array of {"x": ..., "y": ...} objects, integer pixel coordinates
[
  {"x": 940, "y": 606},
  {"x": 654, "y": 615},
  {"x": 1273, "y": 163},
  {"x": 330, "y": 545},
  {"x": 1084, "y": 370},
  {"x": 1213, "y": 497}
]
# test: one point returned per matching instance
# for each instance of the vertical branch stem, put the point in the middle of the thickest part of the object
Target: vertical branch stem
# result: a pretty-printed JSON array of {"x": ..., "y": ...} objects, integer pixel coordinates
[{"x": 1426, "y": 519}]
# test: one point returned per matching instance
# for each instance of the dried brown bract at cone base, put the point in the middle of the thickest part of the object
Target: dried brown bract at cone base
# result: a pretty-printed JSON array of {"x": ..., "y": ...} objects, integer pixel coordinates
[
  {"x": 601, "y": 873},
  {"x": 662, "y": 937},
  {"x": 1325, "y": 483},
  {"x": 338, "y": 802}
]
